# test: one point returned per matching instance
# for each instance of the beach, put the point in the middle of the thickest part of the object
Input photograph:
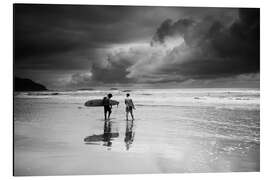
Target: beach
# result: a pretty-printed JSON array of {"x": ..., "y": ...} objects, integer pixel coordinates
[{"x": 174, "y": 131}]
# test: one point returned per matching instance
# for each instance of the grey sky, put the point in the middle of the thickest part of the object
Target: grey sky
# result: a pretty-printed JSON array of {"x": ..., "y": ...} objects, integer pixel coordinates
[{"x": 65, "y": 46}]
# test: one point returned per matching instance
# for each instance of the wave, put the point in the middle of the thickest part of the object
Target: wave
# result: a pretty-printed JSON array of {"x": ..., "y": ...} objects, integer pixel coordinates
[
  {"x": 216, "y": 106},
  {"x": 159, "y": 105}
]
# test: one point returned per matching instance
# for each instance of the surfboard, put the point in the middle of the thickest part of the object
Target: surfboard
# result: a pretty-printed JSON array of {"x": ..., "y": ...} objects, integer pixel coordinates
[{"x": 99, "y": 102}]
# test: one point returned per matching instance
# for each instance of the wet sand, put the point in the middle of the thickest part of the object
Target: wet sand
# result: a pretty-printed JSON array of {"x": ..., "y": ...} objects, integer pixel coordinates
[{"x": 54, "y": 137}]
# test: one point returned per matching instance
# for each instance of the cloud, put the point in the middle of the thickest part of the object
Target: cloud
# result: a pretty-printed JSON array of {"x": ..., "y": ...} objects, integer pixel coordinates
[
  {"x": 168, "y": 28},
  {"x": 202, "y": 50},
  {"x": 93, "y": 45},
  {"x": 113, "y": 67},
  {"x": 211, "y": 49},
  {"x": 41, "y": 30},
  {"x": 81, "y": 79}
]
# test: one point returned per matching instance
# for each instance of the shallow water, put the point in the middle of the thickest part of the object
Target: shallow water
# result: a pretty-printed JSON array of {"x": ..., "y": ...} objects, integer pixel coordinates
[{"x": 174, "y": 131}]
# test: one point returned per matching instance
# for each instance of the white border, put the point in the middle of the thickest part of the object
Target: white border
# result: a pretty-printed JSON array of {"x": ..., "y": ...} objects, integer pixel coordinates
[
  {"x": 208, "y": 3},
  {"x": 6, "y": 86}
]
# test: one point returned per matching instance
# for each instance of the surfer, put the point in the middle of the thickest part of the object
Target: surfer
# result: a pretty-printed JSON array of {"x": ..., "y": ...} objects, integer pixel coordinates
[
  {"x": 107, "y": 106},
  {"x": 129, "y": 106}
]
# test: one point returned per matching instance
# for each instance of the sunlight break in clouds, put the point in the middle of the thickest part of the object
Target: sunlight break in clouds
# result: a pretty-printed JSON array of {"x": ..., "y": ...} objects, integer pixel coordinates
[{"x": 141, "y": 61}]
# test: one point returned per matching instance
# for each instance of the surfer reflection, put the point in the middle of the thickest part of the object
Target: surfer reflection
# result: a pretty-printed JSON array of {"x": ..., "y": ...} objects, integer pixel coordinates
[
  {"x": 106, "y": 137},
  {"x": 129, "y": 135}
]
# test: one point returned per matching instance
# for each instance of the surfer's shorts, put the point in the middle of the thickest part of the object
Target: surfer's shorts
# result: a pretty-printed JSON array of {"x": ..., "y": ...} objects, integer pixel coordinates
[
  {"x": 129, "y": 109},
  {"x": 107, "y": 109}
]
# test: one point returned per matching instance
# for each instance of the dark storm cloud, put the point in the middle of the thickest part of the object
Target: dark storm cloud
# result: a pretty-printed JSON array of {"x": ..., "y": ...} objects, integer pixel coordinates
[
  {"x": 49, "y": 29},
  {"x": 212, "y": 48},
  {"x": 58, "y": 38},
  {"x": 168, "y": 28},
  {"x": 88, "y": 45},
  {"x": 217, "y": 50}
]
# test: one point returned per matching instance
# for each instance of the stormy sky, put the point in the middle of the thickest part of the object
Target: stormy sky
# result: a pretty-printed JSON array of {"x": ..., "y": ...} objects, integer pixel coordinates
[{"x": 70, "y": 47}]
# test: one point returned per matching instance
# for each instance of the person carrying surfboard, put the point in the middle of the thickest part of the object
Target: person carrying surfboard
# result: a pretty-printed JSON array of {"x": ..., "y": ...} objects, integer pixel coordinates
[
  {"x": 129, "y": 106},
  {"x": 107, "y": 106}
]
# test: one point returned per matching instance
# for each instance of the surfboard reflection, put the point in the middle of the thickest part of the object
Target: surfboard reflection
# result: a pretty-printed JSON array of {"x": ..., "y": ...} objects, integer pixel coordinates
[
  {"x": 106, "y": 137},
  {"x": 129, "y": 135}
]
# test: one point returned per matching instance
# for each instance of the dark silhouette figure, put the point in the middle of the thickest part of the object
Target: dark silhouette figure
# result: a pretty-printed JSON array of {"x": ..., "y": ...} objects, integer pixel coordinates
[
  {"x": 129, "y": 135},
  {"x": 129, "y": 106},
  {"x": 107, "y": 106}
]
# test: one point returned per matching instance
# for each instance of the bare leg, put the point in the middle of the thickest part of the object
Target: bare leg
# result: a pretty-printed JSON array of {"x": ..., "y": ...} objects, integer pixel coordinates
[
  {"x": 131, "y": 113},
  {"x": 105, "y": 115},
  {"x": 109, "y": 114}
]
